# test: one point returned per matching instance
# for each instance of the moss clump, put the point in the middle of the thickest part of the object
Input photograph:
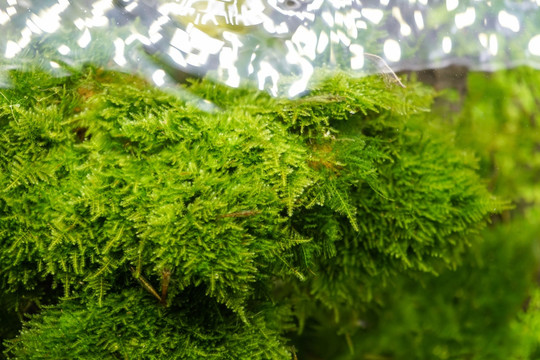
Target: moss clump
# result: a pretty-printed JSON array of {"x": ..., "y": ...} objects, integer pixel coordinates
[
  {"x": 180, "y": 233},
  {"x": 501, "y": 123},
  {"x": 487, "y": 308}
]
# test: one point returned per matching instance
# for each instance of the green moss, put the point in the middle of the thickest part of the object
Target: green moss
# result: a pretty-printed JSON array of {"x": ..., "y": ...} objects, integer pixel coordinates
[
  {"x": 181, "y": 233},
  {"x": 500, "y": 122},
  {"x": 127, "y": 324},
  {"x": 481, "y": 310}
]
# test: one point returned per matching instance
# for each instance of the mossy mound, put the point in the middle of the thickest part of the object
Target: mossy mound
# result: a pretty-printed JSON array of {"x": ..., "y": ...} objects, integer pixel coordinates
[{"x": 182, "y": 233}]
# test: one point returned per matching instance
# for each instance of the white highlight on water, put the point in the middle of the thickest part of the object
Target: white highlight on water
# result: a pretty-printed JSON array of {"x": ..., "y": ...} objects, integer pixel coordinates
[
  {"x": 357, "y": 60},
  {"x": 465, "y": 18},
  {"x": 392, "y": 50},
  {"x": 452, "y": 4},
  {"x": 4, "y": 17},
  {"x": 132, "y": 6},
  {"x": 373, "y": 15},
  {"x": 12, "y": 49},
  {"x": 482, "y": 37},
  {"x": 404, "y": 29},
  {"x": 64, "y": 49},
  {"x": 159, "y": 77},
  {"x": 85, "y": 39},
  {"x": 119, "y": 47},
  {"x": 177, "y": 56},
  {"x": 306, "y": 42},
  {"x": 534, "y": 45},
  {"x": 267, "y": 71},
  {"x": 447, "y": 45},
  {"x": 493, "y": 44},
  {"x": 322, "y": 43},
  {"x": 508, "y": 21},
  {"x": 419, "y": 19}
]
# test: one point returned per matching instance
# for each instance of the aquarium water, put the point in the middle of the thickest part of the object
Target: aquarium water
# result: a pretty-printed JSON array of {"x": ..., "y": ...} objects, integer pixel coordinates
[{"x": 278, "y": 45}]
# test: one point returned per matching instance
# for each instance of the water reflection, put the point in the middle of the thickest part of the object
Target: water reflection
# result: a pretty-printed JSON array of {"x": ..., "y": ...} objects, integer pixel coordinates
[{"x": 277, "y": 44}]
